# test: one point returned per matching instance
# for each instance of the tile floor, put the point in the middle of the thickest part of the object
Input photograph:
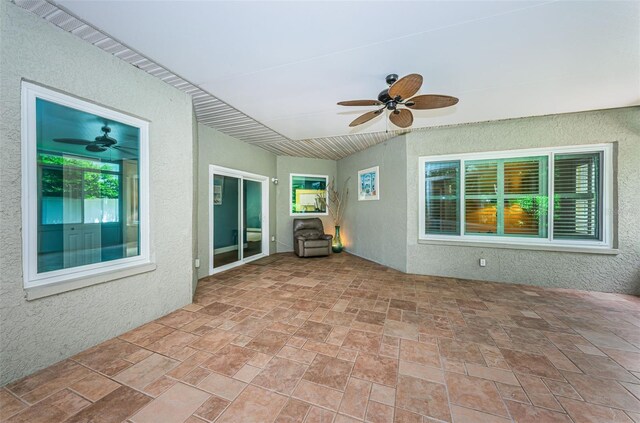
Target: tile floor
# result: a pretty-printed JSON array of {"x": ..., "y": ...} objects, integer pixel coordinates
[{"x": 341, "y": 339}]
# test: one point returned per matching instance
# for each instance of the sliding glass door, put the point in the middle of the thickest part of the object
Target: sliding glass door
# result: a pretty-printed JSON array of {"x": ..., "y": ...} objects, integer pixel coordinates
[
  {"x": 252, "y": 217},
  {"x": 238, "y": 217},
  {"x": 226, "y": 224}
]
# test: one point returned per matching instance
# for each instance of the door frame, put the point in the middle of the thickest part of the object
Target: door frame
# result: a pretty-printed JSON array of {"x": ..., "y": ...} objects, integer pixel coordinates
[{"x": 241, "y": 175}]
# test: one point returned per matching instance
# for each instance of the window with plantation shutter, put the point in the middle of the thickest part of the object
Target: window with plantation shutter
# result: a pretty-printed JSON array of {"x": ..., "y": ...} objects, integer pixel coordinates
[
  {"x": 481, "y": 197},
  {"x": 504, "y": 197},
  {"x": 576, "y": 183},
  {"x": 442, "y": 180},
  {"x": 526, "y": 198}
]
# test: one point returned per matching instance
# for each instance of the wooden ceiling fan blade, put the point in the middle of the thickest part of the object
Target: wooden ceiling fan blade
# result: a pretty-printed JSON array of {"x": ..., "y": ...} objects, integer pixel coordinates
[
  {"x": 359, "y": 103},
  {"x": 430, "y": 101},
  {"x": 406, "y": 87},
  {"x": 365, "y": 117},
  {"x": 402, "y": 118},
  {"x": 125, "y": 149},
  {"x": 75, "y": 141}
]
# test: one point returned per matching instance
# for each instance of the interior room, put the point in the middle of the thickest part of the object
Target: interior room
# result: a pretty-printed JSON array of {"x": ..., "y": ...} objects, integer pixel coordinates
[{"x": 347, "y": 211}]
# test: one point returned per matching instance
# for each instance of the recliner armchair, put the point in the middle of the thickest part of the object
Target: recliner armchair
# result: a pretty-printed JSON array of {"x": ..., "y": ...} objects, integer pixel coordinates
[{"x": 309, "y": 239}]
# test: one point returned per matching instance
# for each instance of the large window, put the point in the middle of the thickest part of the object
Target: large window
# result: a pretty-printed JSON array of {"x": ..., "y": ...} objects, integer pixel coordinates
[
  {"x": 505, "y": 197},
  {"x": 84, "y": 176},
  {"x": 308, "y": 194}
]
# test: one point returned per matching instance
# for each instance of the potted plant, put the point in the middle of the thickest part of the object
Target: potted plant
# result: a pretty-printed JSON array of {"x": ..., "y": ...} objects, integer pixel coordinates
[{"x": 337, "y": 203}]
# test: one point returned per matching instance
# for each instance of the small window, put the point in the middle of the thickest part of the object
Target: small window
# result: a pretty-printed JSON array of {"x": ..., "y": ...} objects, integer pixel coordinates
[
  {"x": 577, "y": 206},
  {"x": 308, "y": 194},
  {"x": 442, "y": 205},
  {"x": 81, "y": 218},
  {"x": 505, "y": 197}
]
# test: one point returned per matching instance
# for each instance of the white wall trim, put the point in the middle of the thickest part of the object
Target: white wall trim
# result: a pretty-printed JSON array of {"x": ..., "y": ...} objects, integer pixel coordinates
[{"x": 82, "y": 282}]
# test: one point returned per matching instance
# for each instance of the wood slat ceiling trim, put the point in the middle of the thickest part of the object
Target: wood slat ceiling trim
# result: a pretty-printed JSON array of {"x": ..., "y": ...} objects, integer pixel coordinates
[{"x": 210, "y": 110}]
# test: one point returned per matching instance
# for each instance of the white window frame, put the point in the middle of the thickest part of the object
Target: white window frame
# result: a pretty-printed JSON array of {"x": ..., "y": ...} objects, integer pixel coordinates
[
  {"x": 548, "y": 243},
  {"x": 291, "y": 213},
  {"x": 61, "y": 280}
]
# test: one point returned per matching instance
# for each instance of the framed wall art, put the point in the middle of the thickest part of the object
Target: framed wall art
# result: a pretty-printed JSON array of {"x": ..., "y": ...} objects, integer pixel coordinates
[{"x": 369, "y": 184}]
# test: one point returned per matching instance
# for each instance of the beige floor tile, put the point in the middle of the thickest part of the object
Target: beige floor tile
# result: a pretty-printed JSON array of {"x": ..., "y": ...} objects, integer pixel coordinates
[
  {"x": 260, "y": 360},
  {"x": 317, "y": 394},
  {"x": 159, "y": 386},
  {"x": 254, "y": 405},
  {"x": 173, "y": 406},
  {"x": 533, "y": 364},
  {"x": 461, "y": 351},
  {"x": 173, "y": 344},
  {"x": 418, "y": 352},
  {"x": 228, "y": 360},
  {"x": 423, "y": 397},
  {"x": 294, "y": 411},
  {"x": 603, "y": 392},
  {"x": 356, "y": 396},
  {"x": 401, "y": 330},
  {"x": 475, "y": 393},
  {"x": 366, "y": 342},
  {"x": 379, "y": 413},
  {"x": 56, "y": 408},
  {"x": 489, "y": 373},
  {"x": 268, "y": 342},
  {"x": 247, "y": 373},
  {"x": 295, "y": 354},
  {"x": 143, "y": 373},
  {"x": 9, "y": 404},
  {"x": 524, "y": 413},
  {"x": 433, "y": 374},
  {"x": 583, "y": 412},
  {"x": 467, "y": 415},
  {"x": 113, "y": 408},
  {"x": 323, "y": 348},
  {"x": 329, "y": 371},
  {"x": 320, "y": 415},
  {"x": 280, "y": 375},
  {"x": 378, "y": 369},
  {"x": 94, "y": 387},
  {"x": 211, "y": 408},
  {"x": 67, "y": 373},
  {"x": 383, "y": 394},
  {"x": 222, "y": 386},
  {"x": 314, "y": 331}
]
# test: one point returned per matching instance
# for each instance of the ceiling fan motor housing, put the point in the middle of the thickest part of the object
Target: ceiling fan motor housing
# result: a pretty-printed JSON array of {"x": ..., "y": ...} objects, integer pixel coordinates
[
  {"x": 95, "y": 148},
  {"x": 384, "y": 97}
]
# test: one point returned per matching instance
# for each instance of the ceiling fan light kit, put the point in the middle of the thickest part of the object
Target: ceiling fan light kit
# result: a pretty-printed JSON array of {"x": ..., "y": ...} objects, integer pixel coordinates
[{"x": 399, "y": 95}]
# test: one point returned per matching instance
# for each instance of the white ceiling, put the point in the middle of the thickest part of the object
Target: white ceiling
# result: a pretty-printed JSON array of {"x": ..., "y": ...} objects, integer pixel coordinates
[{"x": 286, "y": 64}]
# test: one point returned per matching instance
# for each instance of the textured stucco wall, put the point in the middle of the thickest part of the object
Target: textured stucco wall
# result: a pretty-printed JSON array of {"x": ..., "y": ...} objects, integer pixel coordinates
[
  {"x": 38, "y": 333},
  {"x": 219, "y": 149},
  {"x": 286, "y": 166},
  {"x": 608, "y": 273},
  {"x": 377, "y": 230}
]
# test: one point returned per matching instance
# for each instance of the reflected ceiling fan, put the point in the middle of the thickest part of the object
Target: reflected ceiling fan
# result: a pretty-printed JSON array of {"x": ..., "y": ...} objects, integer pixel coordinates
[
  {"x": 398, "y": 99},
  {"x": 101, "y": 143}
]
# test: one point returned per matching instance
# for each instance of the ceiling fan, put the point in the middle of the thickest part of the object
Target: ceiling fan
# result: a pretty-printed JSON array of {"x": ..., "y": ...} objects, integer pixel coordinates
[
  {"x": 101, "y": 143},
  {"x": 398, "y": 96}
]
